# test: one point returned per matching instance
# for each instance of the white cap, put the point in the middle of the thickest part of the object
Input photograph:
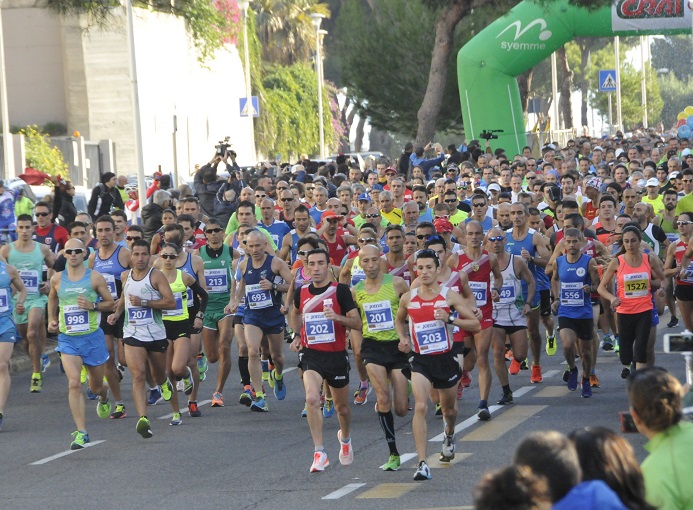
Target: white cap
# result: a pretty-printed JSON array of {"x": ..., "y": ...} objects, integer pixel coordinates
[
  {"x": 685, "y": 152},
  {"x": 652, "y": 181},
  {"x": 494, "y": 186},
  {"x": 598, "y": 148},
  {"x": 619, "y": 152}
]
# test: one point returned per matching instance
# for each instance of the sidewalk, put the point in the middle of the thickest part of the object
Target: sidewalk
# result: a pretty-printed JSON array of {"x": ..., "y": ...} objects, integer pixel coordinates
[{"x": 19, "y": 362}]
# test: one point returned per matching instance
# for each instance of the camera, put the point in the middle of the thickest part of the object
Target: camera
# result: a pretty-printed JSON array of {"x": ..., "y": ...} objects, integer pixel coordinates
[
  {"x": 489, "y": 135},
  {"x": 678, "y": 342},
  {"x": 224, "y": 148}
]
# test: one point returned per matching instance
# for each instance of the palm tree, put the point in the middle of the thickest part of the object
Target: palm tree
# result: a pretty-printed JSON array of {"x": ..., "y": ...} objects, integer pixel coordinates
[{"x": 285, "y": 29}]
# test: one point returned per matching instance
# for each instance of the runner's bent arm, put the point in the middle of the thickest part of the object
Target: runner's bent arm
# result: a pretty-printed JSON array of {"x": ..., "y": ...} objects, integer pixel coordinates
[
  {"x": 543, "y": 253},
  {"x": 161, "y": 285},
  {"x": 18, "y": 284},
  {"x": 497, "y": 276},
  {"x": 607, "y": 279},
  {"x": 345, "y": 273},
  {"x": 594, "y": 274},
  {"x": 282, "y": 269},
  {"x": 98, "y": 283},
  {"x": 465, "y": 319},
  {"x": 287, "y": 242},
  {"x": 53, "y": 302},
  {"x": 401, "y": 325},
  {"x": 522, "y": 270}
]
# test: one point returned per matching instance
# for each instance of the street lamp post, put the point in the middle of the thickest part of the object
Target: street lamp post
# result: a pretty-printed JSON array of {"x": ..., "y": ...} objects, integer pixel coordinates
[
  {"x": 317, "y": 20},
  {"x": 244, "y": 4}
]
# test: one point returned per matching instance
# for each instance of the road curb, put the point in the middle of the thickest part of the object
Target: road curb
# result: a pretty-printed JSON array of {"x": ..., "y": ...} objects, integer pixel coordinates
[{"x": 20, "y": 362}]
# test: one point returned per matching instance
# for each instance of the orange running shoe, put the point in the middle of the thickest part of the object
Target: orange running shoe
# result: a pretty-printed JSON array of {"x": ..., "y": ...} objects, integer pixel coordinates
[
  {"x": 536, "y": 374},
  {"x": 514, "y": 367}
]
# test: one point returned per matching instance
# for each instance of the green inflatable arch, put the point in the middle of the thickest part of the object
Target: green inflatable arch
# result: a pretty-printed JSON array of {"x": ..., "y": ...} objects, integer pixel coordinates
[{"x": 488, "y": 64}]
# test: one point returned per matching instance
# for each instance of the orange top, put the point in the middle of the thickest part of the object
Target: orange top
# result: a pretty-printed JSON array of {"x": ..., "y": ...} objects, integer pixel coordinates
[{"x": 634, "y": 286}]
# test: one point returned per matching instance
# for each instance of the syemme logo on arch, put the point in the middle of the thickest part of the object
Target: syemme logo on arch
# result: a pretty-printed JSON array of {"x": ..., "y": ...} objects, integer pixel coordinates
[{"x": 532, "y": 44}]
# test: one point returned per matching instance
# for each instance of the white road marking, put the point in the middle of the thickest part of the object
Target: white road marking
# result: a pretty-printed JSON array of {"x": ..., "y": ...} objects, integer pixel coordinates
[
  {"x": 65, "y": 453},
  {"x": 344, "y": 491},
  {"x": 551, "y": 373},
  {"x": 403, "y": 458},
  {"x": 184, "y": 410}
]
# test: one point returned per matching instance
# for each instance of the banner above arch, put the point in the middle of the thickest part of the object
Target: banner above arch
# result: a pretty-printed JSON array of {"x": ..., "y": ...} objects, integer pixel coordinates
[{"x": 488, "y": 64}]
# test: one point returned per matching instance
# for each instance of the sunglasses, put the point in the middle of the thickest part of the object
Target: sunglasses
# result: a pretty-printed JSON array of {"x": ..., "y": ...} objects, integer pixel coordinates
[
  {"x": 310, "y": 188},
  {"x": 372, "y": 215},
  {"x": 169, "y": 256},
  {"x": 497, "y": 239},
  {"x": 130, "y": 238},
  {"x": 282, "y": 189},
  {"x": 442, "y": 217},
  {"x": 303, "y": 253},
  {"x": 479, "y": 204},
  {"x": 367, "y": 240},
  {"x": 42, "y": 214},
  {"x": 428, "y": 253},
  {"x": 213, "y": 230},
  {"x": 450, "y": 200},
  {"x": 260, "y": 196},
  {"x": 287, "y": 199},
  {"x": 531, "y": 178},
  {"x": 683, "y": 222},
  {"x": 75, "y": 251},
  {"x": 422, "y": 236}
]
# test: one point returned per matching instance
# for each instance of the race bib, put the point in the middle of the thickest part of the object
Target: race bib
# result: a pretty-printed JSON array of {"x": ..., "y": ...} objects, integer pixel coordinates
[
  {"x": 432, "y": 337},
  {"x": 357, "y": 276},
  {"x": 216, "y": 280},
  {"x": 479, "y": 291},
  {"x": 140, "y": 316},
  {"x": 507, "y": 294},
  {"x": 572, "y": 294},
  {"x": 30, "y": 280},
  {"x": 635, "y": 285},
  {"x": 257, "y": 298},
  {"x": 379, "y": 316},
  {"x": 178, "y": 310},
  {"x": 673, "y": 238},
  {"x": 687, "y": 274},
  {"x": 4, "y": 300},
  {"x": 319, "y": 330},
  {"x": 76, "y": 319},
  {"x": 111, "y": 282}
]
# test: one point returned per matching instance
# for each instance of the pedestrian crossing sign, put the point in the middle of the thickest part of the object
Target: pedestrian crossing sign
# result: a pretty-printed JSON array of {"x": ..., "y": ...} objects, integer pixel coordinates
[
  {"x": 249, "y": 108},
  {"x": 607, "y": 80}
]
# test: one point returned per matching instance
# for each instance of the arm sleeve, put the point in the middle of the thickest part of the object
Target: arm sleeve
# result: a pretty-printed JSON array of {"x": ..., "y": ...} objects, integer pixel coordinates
[
  {"x": 659, "y": 233},
  {"x": 91, "y": 208},
  {"x": 57, "y": 202},
  {"x": 345, "y": 299},
  {"x": 197, "y": 289}
]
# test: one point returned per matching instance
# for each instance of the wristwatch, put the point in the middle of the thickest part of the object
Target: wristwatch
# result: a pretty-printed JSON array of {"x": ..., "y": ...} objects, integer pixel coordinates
[
  {"x": 451, "y": 319},
  {"x": 275, "y": 286},
  {"x": 144, "y": 302},
  {"x": 94, "y": 306},
  {"x": 200, "y": 315}
]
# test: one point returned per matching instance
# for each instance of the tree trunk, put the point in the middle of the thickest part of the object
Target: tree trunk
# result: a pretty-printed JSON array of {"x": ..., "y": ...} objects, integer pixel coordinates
[
  {"x": 428, "y": 114},
  {"x": 524, "y": 82},
  {"x": 380, "y": 141},
  {"x": 347, "y": 122},
  {"x": 585, "y": 48},
  {"x": 358, "y": 141},
  {"x": 565, "y": 88}
]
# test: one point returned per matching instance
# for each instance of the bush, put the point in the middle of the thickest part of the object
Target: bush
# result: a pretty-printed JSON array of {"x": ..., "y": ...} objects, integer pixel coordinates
[{"x": 40, "y": 154}]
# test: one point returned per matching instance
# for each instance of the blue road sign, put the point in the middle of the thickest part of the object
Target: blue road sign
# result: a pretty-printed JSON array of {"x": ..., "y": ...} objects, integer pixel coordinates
[
  {"x": 254, "y": 107},
  {"x": 607, "y": 80}
]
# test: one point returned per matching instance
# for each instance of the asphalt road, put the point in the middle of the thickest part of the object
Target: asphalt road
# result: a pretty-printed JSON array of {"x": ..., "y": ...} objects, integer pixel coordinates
[{"x": 233, "y": 458}]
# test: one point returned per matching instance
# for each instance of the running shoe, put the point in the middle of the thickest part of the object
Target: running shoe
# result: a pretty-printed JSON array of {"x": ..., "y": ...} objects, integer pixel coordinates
[
  {"x": 586, "y": 388},
  {"x": 167, "y": 390},
  {"x": 45, "y": 362},
  {"x": 625, "y": 373},
  {"x": 361, "y": 395},
  {"x": 217, "y": 399},
  {"x": 506, "y": 399},
  {"x": 566, "y": 375},
  {"x": 550, "y": 344},
  {"x": 514, "y": 367},
  {"x": 246, "y": 397},
  {"x": 617, "y": 347},
  {"x": 304, "y": 413},
  {"x": 524, "y": 365},
  {"x": 202, "y": 363},
  {"x": 536, "y": 374},
  {"x": 176, "y": 420},
  {"x": 439, "y": 410},
  {"x": 259, "y": 405},
  {"x": 119, "y": 412},
  {"x": 594, "y": 381},
  {"x": 180, "y": 385},
  {"x": 188, "y": 383},
  {"x": 36, "y": 383},
  {"x": 154, "y": 397},
  {"x": 144, "y": 428},
  {"x": 423, "y": 472},
  {"x": 103, "y": 409},
  {"x": 80, "y": 439},
  {"x": 328, "y": 408},
  {"x": 484, "y": 414},
  {"x": 346, "y": 451},
  {"x": 83, "y": 375},
  {"x": 392, "y": 463},
  {"x": 91, "y": 395},
  {"x": 448, "y": 451},
  {"x": 460, "y": 391},
  {"x": 265, "y": 370},
  {"x": 673, "y": 322},
  {"x": 466, "y": 379},
  {"x": 573, "y": 379},
  {"x": 320, "y": 462},
  {"x": 607, "y": 343},
  {"x": 193, "y": 409},
  {"x": 278, "y": 385}
]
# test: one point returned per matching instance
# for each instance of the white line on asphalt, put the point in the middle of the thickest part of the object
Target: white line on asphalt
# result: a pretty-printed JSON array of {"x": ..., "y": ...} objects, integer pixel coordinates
[
  {"x": 492, "y": 409},
  {"x": 63, "y": 454},
  {"x": 403, "y": 458},
  {"x": 551, "y": 373},
  {"x": 183, "y": 411},
  {"x": 344, "y": 491},
  {"x": 287, "y": 370}
]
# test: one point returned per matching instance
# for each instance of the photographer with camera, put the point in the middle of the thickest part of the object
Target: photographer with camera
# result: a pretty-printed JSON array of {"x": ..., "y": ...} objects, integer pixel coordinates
[{"x": 215, "y": 202}]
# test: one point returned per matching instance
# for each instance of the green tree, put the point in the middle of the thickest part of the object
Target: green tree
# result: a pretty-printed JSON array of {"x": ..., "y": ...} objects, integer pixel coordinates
[
  {"x": 40, "y": 154},
  {"x": 676, "y": 95},
  {"x": 673, "y": 52}
]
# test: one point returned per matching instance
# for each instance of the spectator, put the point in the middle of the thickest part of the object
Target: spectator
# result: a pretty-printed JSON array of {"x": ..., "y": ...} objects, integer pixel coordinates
[
  {"x": 7, "y": 207},
  {"x": 105, "y": 196},
  {"x": 207, "y": 184},
  {"x": 68, "y": 211},
  {"x": 151, "y": 213},
  {"x": 23, "y": 204},
  {"x": 655, "y": 403},
  {"x": 513, "y": 488}
]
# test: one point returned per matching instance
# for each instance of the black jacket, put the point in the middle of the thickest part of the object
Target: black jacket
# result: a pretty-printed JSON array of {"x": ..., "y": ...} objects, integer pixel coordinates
[
  {"x": 103, "y": 199},
  {"x": 207, "y": 192},
  {"x": 68, "y": 211},
  {"x": 151, "y": 220}
]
